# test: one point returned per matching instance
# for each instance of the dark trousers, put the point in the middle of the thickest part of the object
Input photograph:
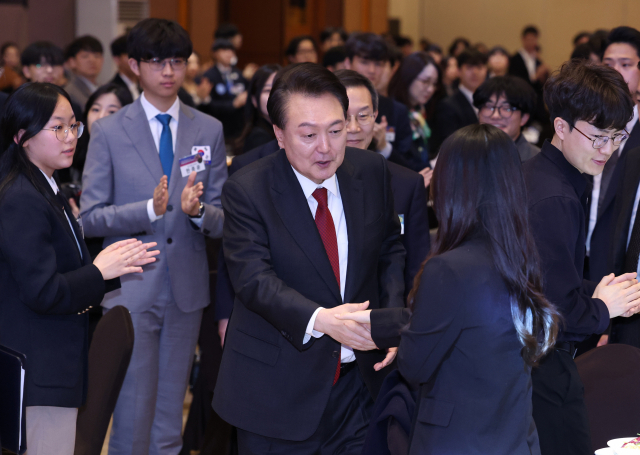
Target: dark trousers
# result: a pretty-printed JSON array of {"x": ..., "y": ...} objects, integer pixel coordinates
[
  {"x": 343, "y": 425},
  {"x": 558, "y": 406}
]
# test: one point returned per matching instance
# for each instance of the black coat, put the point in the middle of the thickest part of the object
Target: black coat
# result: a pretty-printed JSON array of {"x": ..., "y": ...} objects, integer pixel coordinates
[
  {"x": 463, "y": 351},
  {"x": 454, "y": 112},
  {"x": 45, "y": 284},
  {"x": 221, "y": 105},
  {"x": 397, "y": 116},
  {"x": 270, "y": 382}
]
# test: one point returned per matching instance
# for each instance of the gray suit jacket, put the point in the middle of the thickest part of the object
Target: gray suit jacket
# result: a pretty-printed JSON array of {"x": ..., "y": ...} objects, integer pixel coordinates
[
  {"x": 122, "y": 170},
  {"x": 79, "y": 91}
]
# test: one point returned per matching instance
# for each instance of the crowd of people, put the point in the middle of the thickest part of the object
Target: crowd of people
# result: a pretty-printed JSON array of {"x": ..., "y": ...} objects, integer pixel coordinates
[{"x": 449, "y": 228}]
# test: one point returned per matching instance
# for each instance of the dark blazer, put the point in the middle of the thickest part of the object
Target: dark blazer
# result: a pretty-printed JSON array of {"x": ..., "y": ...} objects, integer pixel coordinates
[
  {"x": 463, "y": 350},
  {"x": 454, "y": 112},
  {"x": 601, "y": 237},
  {"x": 558, "y": 194},
  {"x": 518, "y": 68},
  {"x": 409, "y": 199},
  {"x": 259, "y": 135},
  {"x": 221, "y": 105},
  {"x": 45, "y": 284},
  {"x": 119, "y": 81},
  {"x": 397, "y": 116},
  {"x": 3, "y": 98},
  {"x": 270, "y": 383}
]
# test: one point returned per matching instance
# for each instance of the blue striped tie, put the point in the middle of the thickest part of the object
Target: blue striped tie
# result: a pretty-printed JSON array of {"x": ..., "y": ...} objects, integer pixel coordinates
[{"x": 166, "y": 145}]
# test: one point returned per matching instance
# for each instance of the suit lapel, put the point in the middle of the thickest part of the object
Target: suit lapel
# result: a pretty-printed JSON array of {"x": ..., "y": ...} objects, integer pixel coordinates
[
  {"x": 634, "y": 138},
  {"x": 187, "y": 133},
  {"x": 137, "y": 128},
  {"x": 293, "y": 209},
  {"x": 467, "y": 110},
  {"x": 352, "y": 194}
]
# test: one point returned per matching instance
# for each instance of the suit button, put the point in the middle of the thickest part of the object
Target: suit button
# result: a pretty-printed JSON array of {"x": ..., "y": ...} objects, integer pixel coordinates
[
  {"x": 169, "y": 208},
  {"x": 169, "y": 240},
  {"x": 335, "y": 354}
]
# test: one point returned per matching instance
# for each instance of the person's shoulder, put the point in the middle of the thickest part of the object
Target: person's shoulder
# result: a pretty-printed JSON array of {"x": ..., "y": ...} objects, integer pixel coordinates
[
  {"x": 364, "y": 158},
  {"x": 257, "y": 170},
  {"x": 403, "y": 174},
  {"x": 20, "y": 193},
  {"x": 544, "y": 180},
  {"x": 254, "y": 154}
]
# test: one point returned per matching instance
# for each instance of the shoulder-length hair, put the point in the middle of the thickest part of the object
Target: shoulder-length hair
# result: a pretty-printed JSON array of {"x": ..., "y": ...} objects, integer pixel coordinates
[
  {"x": 410, "y": 67},
  {"x": 28, "y": 109},
  {"x": 478, "y": 190}
]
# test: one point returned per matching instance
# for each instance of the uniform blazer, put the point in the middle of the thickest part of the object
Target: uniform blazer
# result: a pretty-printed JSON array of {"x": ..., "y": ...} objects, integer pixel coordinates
[
  {"x": 462, "y": 350},
  {"x": 221, "y": 105},
  {"x": 79, "y": 91},
  {"x": 122, "y": 170},
  {"x": 270, "y": 383},
  {"x": 45, "y": 284},
  {"x": 397, "y": 116},
  {"x": 409, "y": 199},
  {"x": 454, "y": 112},
  {"x": 518, "y": 68}
]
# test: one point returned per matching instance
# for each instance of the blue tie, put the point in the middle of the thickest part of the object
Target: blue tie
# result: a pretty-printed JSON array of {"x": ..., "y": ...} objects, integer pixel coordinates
[{"x": 166, "y": 145}]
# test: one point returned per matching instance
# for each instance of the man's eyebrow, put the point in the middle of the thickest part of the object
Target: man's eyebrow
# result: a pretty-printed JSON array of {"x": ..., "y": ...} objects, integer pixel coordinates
[{"x": 315, "y": 125}]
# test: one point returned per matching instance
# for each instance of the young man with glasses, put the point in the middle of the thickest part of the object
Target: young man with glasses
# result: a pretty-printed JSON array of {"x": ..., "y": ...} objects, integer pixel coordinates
[
  {"x": 506, "y": 102},
  {"x": 155, "y": 169},
  {"x": 590, "y": 106}
]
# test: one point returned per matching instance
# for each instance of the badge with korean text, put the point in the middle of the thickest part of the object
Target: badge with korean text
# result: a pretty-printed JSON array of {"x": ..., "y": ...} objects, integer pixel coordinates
[{"x": 191, "y": 163}]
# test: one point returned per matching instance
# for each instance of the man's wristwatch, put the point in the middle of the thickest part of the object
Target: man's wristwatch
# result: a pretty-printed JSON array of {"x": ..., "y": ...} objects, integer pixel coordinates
[{"x": 200, "y": 212}]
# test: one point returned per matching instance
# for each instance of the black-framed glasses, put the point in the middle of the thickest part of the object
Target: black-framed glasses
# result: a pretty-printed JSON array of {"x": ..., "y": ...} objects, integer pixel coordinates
[
  {"x": 601, "y": 141},
  {"x": 505, "y": 111},
  {"x": 363, "y": 118},
  {"x": 157, "y": 64},
  {"x": 62, "y": 131}
]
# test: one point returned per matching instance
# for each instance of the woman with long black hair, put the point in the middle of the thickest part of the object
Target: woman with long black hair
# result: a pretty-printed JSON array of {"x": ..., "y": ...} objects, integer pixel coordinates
[
  {"x": 47, "y": 277},
  {"x": 480, "y": 319}
]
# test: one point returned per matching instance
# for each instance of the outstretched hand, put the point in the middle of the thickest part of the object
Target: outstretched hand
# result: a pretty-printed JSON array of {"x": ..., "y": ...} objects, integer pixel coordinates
[
  {"x": 123, "y": 257},
  {"x": 350, "y": 333}
]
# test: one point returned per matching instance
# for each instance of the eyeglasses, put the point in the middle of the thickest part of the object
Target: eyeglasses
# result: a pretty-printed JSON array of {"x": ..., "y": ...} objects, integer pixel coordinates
[
  {"x": 158, "y": 65},
  {"x": 601, "y": 141},
  {"x": 505, "y": 111},
  {"x": 62, "y": 131},
  {"x": 362, "y": 118}
]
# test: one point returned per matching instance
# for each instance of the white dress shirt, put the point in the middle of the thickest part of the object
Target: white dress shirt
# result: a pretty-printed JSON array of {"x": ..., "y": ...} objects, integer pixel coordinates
[
  {"x": 597, "y": 181},
  {"x": 55, "y": 189},
  {"x": 334, "y": 201},
  {"x": 156, "y": 131},
  {"x": 529, "y": 62},
  {"x": 132, "y": 86}
]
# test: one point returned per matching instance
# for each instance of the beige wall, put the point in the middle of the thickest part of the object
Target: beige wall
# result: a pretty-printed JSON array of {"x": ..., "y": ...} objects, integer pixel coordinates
[
  {"x": 499, "y": 22},
  {"x": 366, "y": 15}
]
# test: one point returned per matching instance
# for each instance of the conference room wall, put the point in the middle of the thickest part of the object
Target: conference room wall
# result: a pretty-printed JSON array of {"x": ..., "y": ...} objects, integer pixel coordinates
[{"x": 496, "y": 22}]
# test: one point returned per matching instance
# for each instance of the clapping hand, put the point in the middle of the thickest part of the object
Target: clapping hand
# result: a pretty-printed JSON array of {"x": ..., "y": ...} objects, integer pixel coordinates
[
  {"x": 123, "y": 257},
  {"x": 191, "y": 195},
  {"x": 161, "y": 197}
]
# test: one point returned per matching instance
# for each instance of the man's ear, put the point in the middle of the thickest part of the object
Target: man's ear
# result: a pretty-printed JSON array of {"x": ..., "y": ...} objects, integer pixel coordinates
[
  {"x": 524, "y": 119},
  {"x": 375, "y": 116},
  {"x": 26, "y": 72},
  {"x": 347, "y": 64},
  {"x": 561, "y": 127},
  {"x": 133, "y": 64},
  {"x": 279, "y": 136},
  {"x": 72, "y": 63}
]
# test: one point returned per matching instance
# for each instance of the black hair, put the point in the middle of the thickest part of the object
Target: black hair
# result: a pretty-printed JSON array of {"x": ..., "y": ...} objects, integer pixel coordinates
[
  {"x": 579, "y": 36},
  {"x": 350, "y": 78},
  {"x": 119, "y": 46},
  {"x": 626, "y": 35},
  {"x": 36, "y": 52},
  {"x": 158, "y": 38},
  {"x": 83, "y": 43},
  {"x": 411, "y": 66},
  {"x": 595, "y": 93},
  {"x": 530, "y": 29},
  {"x": 333, "y": 56},
  {"x": 122, "y": 93},
  {"x": 29, "y": 108},
  {"x": 434, "y": 48},
  {"x": 471, "y": 57},
  {"x": 401, "y": 41},
  {"x": 330, "y": 31},
  {"x": 492, "y": 205},
  {"x": 222, "y": 43},
  {"x": 226, "y": 31},
  {"x": 456, "y": 42},
  {"x": 307, "y": 79},
  {"x": 517, "y": 91},
  {"x": 292, "y": 48},
  {"x": 497, "y": 50},
  {"x": 253, "y": 114},
  {"x": 395, "y": 54},
  {"x": 582, "y": 51},
  {"x": 367, "y": 46},
  {"x": 598, "y": 41}
]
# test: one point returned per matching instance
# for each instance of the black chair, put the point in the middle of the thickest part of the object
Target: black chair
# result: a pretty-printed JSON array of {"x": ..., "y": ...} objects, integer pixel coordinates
[
  {"x": 109, "y": 357},
  {"x": 611, "y": 375}
]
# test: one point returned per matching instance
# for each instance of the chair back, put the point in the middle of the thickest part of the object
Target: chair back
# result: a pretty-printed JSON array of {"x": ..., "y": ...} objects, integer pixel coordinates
[
  {"x": 109, "y": 357},
  {"x": 611, "y": 375}
]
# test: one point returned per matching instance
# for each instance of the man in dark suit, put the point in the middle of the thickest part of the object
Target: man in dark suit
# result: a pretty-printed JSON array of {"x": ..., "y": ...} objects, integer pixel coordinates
[
  {"x": 306, "y": 230},
  {"x": 457, "y": 110},
  {"x": 124, "y": 77},
  {"x": 367, "y": 54}
]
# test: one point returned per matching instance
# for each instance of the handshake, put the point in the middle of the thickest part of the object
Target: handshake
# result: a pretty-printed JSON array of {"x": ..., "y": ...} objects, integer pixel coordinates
[{"x": 350, "y": 324}]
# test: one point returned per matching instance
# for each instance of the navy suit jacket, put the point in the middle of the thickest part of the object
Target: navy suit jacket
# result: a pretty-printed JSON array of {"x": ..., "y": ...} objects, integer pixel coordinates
[
  {"x": 397, "y": 116},
  {"x": 270, "y": 382},
  {"x": 454, "y": 112},
  {"x": 463, "y": 351}
]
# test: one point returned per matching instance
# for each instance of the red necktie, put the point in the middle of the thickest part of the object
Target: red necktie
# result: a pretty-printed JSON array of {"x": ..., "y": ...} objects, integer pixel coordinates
[{"x": 327, "y": 230}]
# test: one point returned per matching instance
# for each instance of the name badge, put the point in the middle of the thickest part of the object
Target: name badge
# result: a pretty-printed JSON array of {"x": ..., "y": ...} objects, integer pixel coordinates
[
  {"x": 191, "y": 163},
  {"x": 401, "y": 224},
  {"x": 391, "y": 134},
  {"x": 204, "y": 151}
]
